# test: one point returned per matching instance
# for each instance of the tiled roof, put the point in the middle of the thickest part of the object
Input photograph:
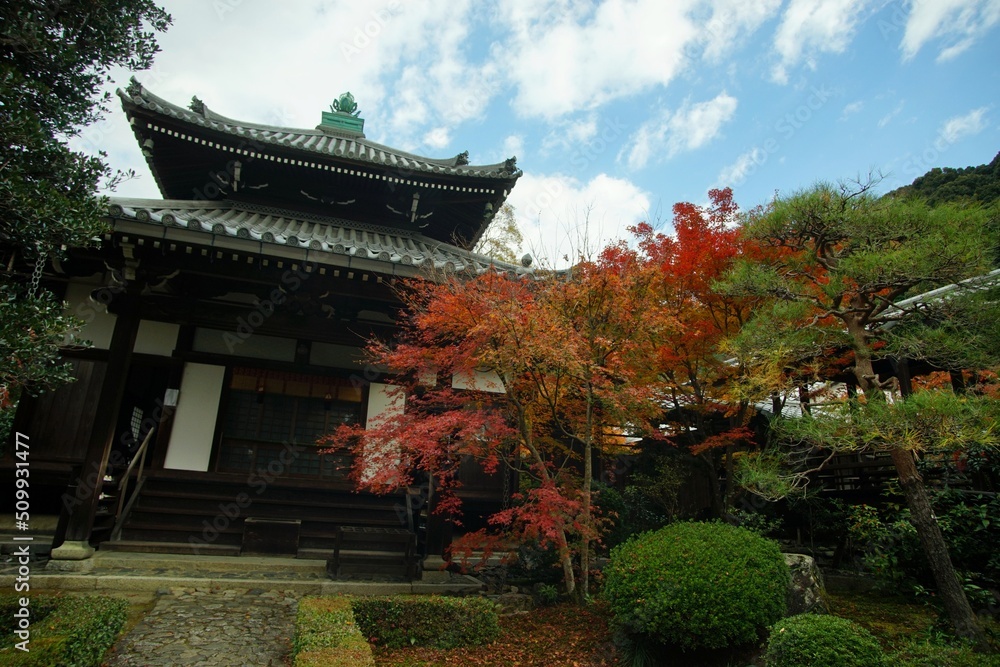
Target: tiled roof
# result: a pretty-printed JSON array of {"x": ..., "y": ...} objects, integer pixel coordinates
[
  {"x": 327, "y": 240},
  {"x": 322, "y": 141}
]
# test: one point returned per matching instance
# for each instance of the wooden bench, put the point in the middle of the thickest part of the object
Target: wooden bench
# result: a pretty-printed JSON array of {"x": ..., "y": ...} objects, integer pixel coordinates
[{"x": 393, "y": 548}]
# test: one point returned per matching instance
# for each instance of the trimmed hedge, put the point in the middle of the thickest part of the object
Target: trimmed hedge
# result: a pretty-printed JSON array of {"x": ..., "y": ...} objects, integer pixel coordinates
[
  {"x": 822, "y": 641},
  {"x": 697, "y": 585},
  {"x": 925, "y": 653},
  {"x": 429, "y": 621},
  {"x": 326, "y": 635},
  {"x": 69, "y": 631}
]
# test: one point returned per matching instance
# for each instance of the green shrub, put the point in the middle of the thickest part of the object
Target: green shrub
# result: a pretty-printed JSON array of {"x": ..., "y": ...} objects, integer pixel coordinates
[
  {"x": 697, "y": 585},
  {"x": 891, "y": 548},
  {"x": 326, "y": 635},
  {"x": 76, "y": 632},
  {"x": 810, "y": 640},
  {"x": 430, "y": 621},
  {"x": 546, "y": 594},
  {"x": 924, "y": 653}
]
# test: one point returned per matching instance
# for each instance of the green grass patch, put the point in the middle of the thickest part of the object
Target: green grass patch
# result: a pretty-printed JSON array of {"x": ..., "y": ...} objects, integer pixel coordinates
[
  {"x": 892, "y": 619},
  {"x": 69, "y": 631},
  {"x": 909, "y": 631}
]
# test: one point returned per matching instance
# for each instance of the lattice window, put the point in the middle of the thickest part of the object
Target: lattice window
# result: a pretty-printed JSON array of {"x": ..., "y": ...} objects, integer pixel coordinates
[
  {"x": 135, "y": 422},
  {"x": 267, "y": 409}
]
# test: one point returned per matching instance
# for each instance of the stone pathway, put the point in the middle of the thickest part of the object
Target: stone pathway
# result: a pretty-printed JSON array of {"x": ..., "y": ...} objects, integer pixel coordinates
[{"x": 197, "y": 627}]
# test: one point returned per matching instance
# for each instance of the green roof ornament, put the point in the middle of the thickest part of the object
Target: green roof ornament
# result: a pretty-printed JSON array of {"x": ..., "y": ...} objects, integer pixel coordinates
[
  {"x": 345, "y": 104},
  {"x": 343, "y": 117}
]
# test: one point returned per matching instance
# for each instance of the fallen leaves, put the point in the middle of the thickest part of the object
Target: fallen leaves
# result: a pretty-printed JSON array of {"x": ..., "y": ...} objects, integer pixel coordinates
[{"x": 561, "y": 636}]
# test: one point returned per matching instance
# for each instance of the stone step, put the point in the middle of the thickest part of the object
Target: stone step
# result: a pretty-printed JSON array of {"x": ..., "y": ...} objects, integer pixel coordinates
[{"x": 216, "y": 563}]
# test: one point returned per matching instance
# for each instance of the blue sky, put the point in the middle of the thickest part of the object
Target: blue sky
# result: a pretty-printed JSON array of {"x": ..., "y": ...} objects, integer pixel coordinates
[{"x": 616, "y": 109}]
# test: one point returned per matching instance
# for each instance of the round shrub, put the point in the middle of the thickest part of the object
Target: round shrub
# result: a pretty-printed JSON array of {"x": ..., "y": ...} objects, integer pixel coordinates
[
  {"x": 821, "y": 641},
  {"x": 697, "y": 585}
]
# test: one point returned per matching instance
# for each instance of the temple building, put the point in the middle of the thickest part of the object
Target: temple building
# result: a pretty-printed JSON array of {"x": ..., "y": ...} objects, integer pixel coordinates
[{"x": 226, "y": 323}]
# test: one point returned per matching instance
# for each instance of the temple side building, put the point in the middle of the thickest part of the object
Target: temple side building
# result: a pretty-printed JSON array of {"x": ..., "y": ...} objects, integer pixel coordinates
[{"x": 226, "y": 323}]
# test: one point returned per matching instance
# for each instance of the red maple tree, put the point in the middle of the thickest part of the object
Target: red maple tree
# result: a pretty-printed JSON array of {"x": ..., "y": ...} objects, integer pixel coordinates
[
  {"x": 702, "y": 413},
  {"x": 563, "y": 360}
]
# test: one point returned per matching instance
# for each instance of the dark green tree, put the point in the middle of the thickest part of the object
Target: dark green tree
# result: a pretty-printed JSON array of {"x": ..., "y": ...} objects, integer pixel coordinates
[
  {"x": 845, "y": 263},
  {"x": 945, "y": 184},
  {"x": 55, "y": 59}
]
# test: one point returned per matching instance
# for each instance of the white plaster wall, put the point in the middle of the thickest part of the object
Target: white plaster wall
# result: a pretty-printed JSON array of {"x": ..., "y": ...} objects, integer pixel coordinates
[
  {"x": 157, "y": 338},
  {"x": 384, "y": 400},
  {"x": 487, "y": 381},
  {"x": 99, "y": 323},
  {"x": 190, "y": 444}
]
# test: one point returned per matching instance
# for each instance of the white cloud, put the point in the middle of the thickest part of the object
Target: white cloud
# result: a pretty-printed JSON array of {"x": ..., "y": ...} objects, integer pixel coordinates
[
  {"x": 734, "y": 21},
  {"x": 562, "y": 217},
  {"x": 851, "y": 109},
  {"x": 886, "y": 119},
  {"x": 688, "y": 128},
  {"x": 811, "y": 27},
  {"x": 437, "y": 138},
  {"x": 957, "y": 23},
  {"x": 738, "y": 171},
  {"x": 513, "y": 146},
  {"x": 959, "y": 127},
  {"x": 565, "y": 57},
  {"x": 567, "y": 135}
]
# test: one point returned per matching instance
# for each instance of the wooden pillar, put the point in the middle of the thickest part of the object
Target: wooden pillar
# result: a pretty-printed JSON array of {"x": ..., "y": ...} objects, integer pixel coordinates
[
  {"x": 81, "y": 502},
  {"x": 438, "y": 539}
]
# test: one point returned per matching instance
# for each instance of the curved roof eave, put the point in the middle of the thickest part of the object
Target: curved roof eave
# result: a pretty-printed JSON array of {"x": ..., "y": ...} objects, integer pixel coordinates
[
  {"x": 337, "y": 239},
  {"x": 332, "y": 143}
]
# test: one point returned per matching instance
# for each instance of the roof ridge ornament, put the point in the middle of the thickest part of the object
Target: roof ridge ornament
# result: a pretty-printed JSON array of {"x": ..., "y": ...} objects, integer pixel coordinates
[
  {"x": 345, "y": 104},
  {"x": 134, "y": 88},
  {"x": 197, "y": 105},
  {"x": 343, "y": 117}
]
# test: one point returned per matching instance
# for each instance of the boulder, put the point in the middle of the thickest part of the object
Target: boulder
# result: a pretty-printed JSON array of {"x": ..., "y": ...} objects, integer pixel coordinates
[
  {"x": 806, "y": 593},
  {"x": 515, "y": 602}
]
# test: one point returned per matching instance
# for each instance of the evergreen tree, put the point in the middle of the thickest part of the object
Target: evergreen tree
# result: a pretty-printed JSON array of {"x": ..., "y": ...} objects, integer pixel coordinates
[
  {"x": 54, "y": 63},
  {"x": 845, "y": 262}
]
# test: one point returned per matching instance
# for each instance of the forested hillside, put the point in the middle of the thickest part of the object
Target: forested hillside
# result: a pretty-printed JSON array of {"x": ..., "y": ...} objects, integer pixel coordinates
[{"x": 944, "y": 184}]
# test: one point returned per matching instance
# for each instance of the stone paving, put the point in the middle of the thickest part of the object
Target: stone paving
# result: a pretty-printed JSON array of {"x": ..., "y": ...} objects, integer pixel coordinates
[
  {"x": 199, "y": 627},
  {"x": 214, "y": 611}
]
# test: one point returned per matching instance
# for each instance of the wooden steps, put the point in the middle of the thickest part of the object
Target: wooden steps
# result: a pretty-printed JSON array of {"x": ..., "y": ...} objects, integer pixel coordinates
[{"x": 207, "y": 515}]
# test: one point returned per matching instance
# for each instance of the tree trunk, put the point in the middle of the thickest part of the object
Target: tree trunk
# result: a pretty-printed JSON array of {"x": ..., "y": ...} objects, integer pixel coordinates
[
  {"x": 587, "y": 521},
  {"x": 588, "y": 479},
  {"x": 565, "y": 556},
  {"x": 956, "y": 604},
  {"x": 707, "y": 460},
  {"x": 730, "y": 486},
  {"x": 566, "y": 559},
  {"x": 922, "y": 517}
]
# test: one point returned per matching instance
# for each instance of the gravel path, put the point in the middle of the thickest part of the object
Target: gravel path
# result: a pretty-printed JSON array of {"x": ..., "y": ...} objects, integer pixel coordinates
[{"x": 197, "y": 627}]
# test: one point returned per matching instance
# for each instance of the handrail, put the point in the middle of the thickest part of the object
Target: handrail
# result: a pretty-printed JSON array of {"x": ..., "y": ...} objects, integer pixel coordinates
[
  {"x": 139, "y": 453},
  {"x": 140, "y": 457}
]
